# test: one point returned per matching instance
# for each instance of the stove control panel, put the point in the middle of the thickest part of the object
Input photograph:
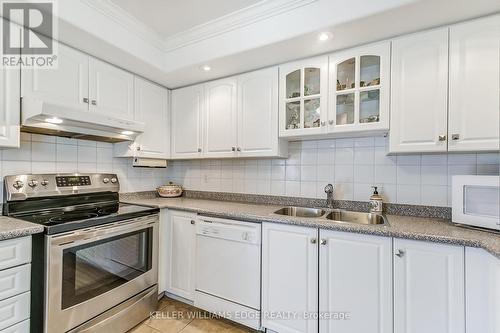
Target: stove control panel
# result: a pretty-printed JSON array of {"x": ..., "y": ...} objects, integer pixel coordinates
[
  {"x": 63, "y": 181},
  {"x": 22, "y": 187}
]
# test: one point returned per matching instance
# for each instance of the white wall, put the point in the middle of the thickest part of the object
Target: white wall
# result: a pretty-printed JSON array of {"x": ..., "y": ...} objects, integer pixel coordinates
[
  {"x": 50, "y": 154},
  {"x": 353, "y": 165}
]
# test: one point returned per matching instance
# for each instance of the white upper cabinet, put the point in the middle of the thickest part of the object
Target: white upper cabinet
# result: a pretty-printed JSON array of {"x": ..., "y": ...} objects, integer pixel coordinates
[
  {"x": 9, "y": 107},
  {"x": 258, "y": 114},
  {"x": 289, "y": 277},
  {"x": 474, "y": 85},
  {"x": 355, "y": 276},
  {"x": 232, "y": 117},
  {"x": 419, "y": 92},
  {"x": 220, "y": 121},
  {"x": 186, "y": 129},
  {"x": 151, "y": 108},
  {"x": 428, "y": 287},
  {"x": 111, "y": 90},
  {"x": 359, "y": 89},
  {"x": 67, "y": 85},
  {"x": 303, "y": 97}
]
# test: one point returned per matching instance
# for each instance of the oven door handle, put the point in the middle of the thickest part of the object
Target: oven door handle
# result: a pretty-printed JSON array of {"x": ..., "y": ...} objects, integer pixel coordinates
[{"x": 89, "y": 235}]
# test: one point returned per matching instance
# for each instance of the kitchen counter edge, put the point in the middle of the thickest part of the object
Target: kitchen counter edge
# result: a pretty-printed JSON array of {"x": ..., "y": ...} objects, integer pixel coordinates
[{"x": 15, "y": 228}]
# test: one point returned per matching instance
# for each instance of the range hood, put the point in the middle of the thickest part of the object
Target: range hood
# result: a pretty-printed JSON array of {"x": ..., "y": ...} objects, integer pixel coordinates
[{"x": 44, "y": 117}]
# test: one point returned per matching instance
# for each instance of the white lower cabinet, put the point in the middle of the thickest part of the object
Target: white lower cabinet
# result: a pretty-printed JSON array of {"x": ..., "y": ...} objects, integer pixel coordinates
[
  {"x": 14, "y": 309},
  {"x": 180, "y": 253},
  {"x": 355, "y": 283},
  {"x": 289, "y": 278},
  {"x": 15, "y": 283},
  {"x": 428, "y": 287},
  {"x": 22, "y": 327},
  {"x": 482, "y": 291}
]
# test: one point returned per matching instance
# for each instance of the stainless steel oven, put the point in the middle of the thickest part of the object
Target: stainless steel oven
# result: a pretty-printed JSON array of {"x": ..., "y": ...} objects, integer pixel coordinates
[
  {"x": 94, "y": 269},
  {"x": 91, "y": 270}
]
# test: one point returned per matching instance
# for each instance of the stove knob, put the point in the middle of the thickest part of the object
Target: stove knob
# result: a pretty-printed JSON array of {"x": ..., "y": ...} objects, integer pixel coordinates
[
  {"x": 18, "y": 184},
  {"x": 105, "y": 180},
  {"x": 114, "y": 180},
  {"x": 44, "y": 182},
  {"x": 33, "y": 183}
]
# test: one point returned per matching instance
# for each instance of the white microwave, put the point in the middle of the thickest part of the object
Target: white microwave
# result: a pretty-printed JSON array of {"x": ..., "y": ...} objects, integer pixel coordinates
[{"x": 476, "y": 201}]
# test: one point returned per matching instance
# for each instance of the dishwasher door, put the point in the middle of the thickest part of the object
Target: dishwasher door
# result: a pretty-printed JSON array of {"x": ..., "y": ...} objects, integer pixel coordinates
[{"x": 228, "y": 260}]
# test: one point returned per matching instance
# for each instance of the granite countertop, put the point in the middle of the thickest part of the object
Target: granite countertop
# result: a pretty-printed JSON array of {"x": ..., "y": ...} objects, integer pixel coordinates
[
  {"x": 425, "y": 229},
  {"x": 14, "y": 228}
]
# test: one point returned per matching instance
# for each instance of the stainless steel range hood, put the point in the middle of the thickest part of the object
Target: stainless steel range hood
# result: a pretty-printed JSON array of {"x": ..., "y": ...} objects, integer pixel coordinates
[{"x": 43, "y": 117}]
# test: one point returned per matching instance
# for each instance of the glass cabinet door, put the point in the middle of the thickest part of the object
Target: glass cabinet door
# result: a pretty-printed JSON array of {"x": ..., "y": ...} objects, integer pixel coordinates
[
  {"x": 358, "y": 79},
  {"x": 303, "y": 97},
  {"x": 345, "y": 109},
  {"x": 293, "y": 84},
  {"x": 346, "y": 74}
]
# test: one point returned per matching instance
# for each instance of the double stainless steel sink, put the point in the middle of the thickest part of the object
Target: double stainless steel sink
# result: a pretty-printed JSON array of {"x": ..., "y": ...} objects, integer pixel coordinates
[{"x": 336, "y": 215}]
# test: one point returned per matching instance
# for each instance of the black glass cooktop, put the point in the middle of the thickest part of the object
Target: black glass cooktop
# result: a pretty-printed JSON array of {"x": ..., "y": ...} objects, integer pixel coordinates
[
  {"x": 56, "y": 221},
  {"x": 76, "y": 213}
]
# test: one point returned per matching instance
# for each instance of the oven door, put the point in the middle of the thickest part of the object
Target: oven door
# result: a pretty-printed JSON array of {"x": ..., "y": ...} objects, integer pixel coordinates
[{"x": 91, "y": 270}]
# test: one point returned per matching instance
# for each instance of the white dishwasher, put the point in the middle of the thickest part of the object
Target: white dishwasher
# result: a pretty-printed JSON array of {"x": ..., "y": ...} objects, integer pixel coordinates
[{"x": 228, "y": 269}]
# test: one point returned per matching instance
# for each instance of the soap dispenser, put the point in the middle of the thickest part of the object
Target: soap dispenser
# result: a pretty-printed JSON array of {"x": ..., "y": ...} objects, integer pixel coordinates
[{"x": 375, "y": 202}]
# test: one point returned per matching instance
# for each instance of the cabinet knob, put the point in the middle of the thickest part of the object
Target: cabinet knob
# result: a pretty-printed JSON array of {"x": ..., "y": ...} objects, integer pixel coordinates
[
  {"x": 455, "y": 137},
  {"x": 313, "y": 240},
  {"x": 85, "y": 100},
  {"x": 323, "y": 242},
  {"x": 323, "y": 123},
  {"x": 94, "y": 102},
  {"x": 233, "y": 148},
  {"x": 238, "y": 149},
  {"x": 330, "y": 122},
  {"x": 199, "y": 150},
  {"x": 193, "y": 222},
  {"x": 400, "y": 253},
  {"x": 442, "y": 138}
]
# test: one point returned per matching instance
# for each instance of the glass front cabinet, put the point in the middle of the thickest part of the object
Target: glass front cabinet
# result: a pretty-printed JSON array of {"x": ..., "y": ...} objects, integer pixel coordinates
[
  {"x": 303, "y": 97},
  {"x": 359, "y": 89}
]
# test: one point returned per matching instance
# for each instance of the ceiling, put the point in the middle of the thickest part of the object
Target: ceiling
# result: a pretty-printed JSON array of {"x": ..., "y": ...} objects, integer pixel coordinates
[
  {"x": 170, "y": 41},
  {"x": 170, "y": 17}
]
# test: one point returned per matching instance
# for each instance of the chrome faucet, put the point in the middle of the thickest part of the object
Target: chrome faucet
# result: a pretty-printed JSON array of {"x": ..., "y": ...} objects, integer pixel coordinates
[{"x": 329, "y": 195}]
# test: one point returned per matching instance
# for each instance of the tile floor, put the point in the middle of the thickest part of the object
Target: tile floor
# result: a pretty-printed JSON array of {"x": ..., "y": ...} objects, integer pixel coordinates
[{"x": 174, "y": 316}]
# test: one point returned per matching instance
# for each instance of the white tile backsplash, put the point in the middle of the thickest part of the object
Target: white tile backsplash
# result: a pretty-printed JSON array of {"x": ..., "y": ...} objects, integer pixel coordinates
[
  {"x": 352, "y": 165},
  {"x": 49, "y": 154}
]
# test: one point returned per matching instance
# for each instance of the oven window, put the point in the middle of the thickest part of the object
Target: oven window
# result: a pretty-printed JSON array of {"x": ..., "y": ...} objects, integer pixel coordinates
[{"x": 92, "y": 269}]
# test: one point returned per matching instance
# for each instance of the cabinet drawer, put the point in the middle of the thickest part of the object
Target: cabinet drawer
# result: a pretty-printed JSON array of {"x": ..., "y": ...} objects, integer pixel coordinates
[
  {"x": 14, "y": 252},
  {"x": 22, "y": 327},
  {"x": 14, "y": 310},
  {"x": 14, "y": 281}
]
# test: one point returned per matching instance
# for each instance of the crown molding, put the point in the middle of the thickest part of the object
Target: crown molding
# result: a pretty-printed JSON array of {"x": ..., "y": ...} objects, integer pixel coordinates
[
  {"x": 127, "y": 21},
  {"x": 232, "y": 21}
]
